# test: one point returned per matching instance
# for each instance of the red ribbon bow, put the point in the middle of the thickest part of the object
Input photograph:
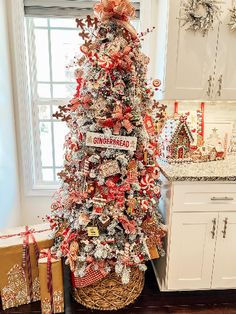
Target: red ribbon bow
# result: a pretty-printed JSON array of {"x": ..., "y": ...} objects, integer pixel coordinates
[
  {"x": 99, "y": 265},
  {"x": 117, "y": 192},
  {"x": 128, "y": 225}
]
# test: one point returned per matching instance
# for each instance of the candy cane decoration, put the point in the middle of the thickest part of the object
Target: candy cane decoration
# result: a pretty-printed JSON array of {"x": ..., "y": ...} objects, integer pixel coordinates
[
  {"x": 99, "y": 200},
  {"x": 86, "y": 168},
  {"x": 144, "y": 205},
  {"x": 126, "y": 253}
]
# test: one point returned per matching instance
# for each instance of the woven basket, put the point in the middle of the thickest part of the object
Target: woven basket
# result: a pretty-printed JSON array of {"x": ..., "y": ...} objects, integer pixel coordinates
[{"x": 109, "y": 293}]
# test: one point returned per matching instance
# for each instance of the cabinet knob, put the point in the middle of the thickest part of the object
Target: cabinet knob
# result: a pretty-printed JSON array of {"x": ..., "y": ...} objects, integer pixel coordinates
[
  {"x": 225, "y": 228},
  {"x": 213, "y": 232}
]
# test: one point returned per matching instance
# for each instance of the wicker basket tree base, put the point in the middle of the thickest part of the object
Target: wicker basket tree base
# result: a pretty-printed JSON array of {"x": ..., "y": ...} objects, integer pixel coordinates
[{"x": 109, "y": 293}]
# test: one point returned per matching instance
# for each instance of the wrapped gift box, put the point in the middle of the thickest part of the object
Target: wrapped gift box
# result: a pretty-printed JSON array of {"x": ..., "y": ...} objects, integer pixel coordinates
[
  {"x": 51, "y": 283},
  {"x": 19, "y": 253}
]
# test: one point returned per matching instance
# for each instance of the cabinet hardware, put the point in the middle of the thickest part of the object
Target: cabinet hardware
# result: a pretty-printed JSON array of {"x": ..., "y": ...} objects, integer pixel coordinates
[
  {"x": 220, "y": 81},
  {"x": 225, "y": 227},
  {"x": 226, "y": 198},
  {"x": 213, "y": 232},
  {"x": 209, "y": 86}
]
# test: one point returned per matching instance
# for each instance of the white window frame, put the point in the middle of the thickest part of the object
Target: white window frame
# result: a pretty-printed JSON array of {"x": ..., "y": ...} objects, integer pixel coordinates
[
  {"x": 27, "y": 137},
  {"x": 35, "y": 103}
]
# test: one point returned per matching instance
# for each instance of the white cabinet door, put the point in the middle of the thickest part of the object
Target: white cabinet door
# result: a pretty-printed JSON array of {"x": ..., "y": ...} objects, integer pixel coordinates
[
  {"x": 225, "y": 87},
  {"x": 190, "y": 59},
  {"x": 224, "y": 274},
  {"x": 192, "y": 247}
]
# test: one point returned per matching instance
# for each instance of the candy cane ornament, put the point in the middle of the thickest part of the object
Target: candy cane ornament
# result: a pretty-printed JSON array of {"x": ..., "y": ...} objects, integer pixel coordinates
[
  {"x": 126, "y": 253},
  {"x": 86, "y": 168},
  {"x": 144, "y": 205}
]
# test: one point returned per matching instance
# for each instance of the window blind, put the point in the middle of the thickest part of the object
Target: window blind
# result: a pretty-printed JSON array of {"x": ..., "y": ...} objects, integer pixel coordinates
[{"x": 64, "y": 8}]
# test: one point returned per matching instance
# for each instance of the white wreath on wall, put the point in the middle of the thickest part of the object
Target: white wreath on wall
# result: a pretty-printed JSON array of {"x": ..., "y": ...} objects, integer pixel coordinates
[
  {"x": 232, "y": 22},
  {"x": 200, "y": 15}
]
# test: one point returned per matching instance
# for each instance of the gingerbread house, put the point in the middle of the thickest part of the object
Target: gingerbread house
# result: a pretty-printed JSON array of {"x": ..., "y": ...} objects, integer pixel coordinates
[{"x": 175, "y": 139}]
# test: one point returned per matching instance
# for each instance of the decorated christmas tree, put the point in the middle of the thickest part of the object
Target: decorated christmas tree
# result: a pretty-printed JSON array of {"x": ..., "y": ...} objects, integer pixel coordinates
[{"x": 104, "y": 214}]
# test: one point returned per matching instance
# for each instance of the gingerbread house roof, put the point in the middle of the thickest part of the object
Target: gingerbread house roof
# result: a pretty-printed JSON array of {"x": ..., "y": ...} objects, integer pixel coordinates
[{"x": 172, "y": 128}]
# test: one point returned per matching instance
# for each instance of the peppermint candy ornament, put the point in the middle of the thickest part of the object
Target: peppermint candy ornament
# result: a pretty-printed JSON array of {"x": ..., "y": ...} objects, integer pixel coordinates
[
  {"x": 55, "y": 205},
  {"x": 157, "y": 190},
  {"x": 105, "y": 62},
  {"x": 147, "y": 183},
  {"x": 156, "y": 83}
]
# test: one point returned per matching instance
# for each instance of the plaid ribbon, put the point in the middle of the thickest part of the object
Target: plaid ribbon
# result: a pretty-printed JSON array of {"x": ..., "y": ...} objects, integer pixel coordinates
[
  {"x": 26, "y": 256},
  {"x": 47, "y": 254}
]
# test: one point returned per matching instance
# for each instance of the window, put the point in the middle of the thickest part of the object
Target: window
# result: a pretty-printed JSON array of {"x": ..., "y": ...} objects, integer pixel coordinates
[{"x": 52, "y": 45}]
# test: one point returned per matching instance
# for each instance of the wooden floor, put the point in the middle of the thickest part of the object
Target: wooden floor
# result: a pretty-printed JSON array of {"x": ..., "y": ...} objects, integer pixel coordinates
[{"x": 152, "y": 301}]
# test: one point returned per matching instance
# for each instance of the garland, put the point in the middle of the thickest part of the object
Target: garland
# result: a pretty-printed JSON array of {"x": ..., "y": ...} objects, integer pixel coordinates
[
  {"x": 232, "y": 23},
  {"x": 199, "y": 15}
]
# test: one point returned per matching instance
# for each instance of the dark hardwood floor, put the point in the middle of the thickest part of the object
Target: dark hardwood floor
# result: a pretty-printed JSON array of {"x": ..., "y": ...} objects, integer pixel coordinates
[{"x": 152, "y": 301}]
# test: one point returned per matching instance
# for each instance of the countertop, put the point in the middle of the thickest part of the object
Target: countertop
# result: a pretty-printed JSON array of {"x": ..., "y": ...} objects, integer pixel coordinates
[{"x": 222, "y": 170}]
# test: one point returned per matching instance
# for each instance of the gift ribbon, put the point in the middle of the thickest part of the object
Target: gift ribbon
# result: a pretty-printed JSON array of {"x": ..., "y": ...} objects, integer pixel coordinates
[
  {"x": 26, "y": 256},
  {"x": 47, "y": 254},
  {"x": 26, "y": 235},
  {"x": 22, "y": 234}
]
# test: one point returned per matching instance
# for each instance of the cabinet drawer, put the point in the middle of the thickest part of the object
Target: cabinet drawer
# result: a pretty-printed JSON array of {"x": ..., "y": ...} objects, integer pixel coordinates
[{"x": 199, "y": 196}]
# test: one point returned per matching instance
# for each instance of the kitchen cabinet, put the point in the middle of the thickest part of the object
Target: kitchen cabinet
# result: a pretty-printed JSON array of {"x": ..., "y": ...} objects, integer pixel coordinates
[
  {"x": 224, "y": 271},
  {"x": 200, "y": 246},
  {"x": 192, "y": 66}
]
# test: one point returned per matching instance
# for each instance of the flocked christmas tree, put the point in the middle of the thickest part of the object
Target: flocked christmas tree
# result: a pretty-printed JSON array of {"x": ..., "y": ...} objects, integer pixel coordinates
[{"x": 104, "y": 215}]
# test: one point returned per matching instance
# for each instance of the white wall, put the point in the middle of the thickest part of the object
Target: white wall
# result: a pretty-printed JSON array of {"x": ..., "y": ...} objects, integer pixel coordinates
[
  {"x": 35, "y": 208},
  {"x": 9, "y": 189},
  {"x": 220, "y": 111}
]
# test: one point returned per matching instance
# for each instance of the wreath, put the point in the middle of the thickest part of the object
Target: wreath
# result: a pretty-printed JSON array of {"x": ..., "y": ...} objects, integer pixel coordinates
[
  {"x": 232, "y": 23},
  {"x": 199, "y": 15}
]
